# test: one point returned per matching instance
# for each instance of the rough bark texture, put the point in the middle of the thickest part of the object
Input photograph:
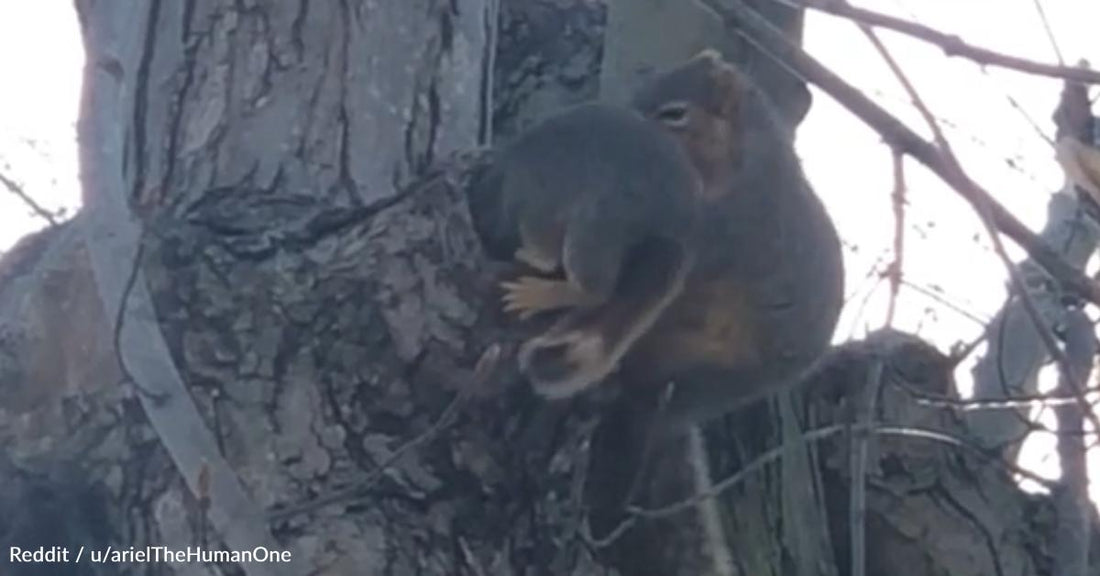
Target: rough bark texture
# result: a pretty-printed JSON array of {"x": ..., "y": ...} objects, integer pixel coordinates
[
  {"x": 325, "y": 297},
  {"x": 549, "y": 54}
]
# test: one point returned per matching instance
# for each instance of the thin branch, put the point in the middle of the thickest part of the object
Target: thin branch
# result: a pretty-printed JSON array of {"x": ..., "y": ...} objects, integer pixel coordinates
[
  {"x": 35, "y": 207},
  {"x": 1071, "y": 552},
  {"x": 936, "y": 294},
  {"x": 612, "y": 536},
  {"x": 816, "y": 436},
  {"x": 491, "y": 24},
  {"x": 920, "y": 433},
  {"x": 910, "y": 90},
  {"x": 1013, "y": 161},
  {"x": 1049, "y": 31},
  {"x": 960, "y": 350},
  {"x": 1007, "y": 403},
  {"x": 857, "y": 477},
  {"x": 738, "y": 477},
  {"x": 1024, "y": 114},
  {"x": 894, "y": 273},
  {"x": 857, "y": 319},
  {"x": 714, "y": 536},
  {"x": 951, "y": 44}
]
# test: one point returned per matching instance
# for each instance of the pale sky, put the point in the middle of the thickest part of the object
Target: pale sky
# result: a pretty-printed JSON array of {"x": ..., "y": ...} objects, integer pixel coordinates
[{"x": 848, "y": 165}]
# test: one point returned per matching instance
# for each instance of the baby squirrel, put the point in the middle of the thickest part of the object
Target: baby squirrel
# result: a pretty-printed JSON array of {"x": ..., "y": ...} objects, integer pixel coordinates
[
  {"x": 710, "y": 264},
  {"x": 606, "y": 200}
]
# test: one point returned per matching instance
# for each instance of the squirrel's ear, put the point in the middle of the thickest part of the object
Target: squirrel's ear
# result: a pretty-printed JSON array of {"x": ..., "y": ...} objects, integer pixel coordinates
[
  {"x": 724, "y": 77},
  {"x": 729, "y": 88}
]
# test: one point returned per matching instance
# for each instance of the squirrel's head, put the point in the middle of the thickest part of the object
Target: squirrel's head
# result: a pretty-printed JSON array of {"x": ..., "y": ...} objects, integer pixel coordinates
[{"x": 699, "y": 102}]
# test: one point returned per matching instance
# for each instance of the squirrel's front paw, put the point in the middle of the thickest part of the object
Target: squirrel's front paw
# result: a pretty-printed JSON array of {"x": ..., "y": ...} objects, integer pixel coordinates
[
  {"x": 562, "y": 365},
  {"x": 530, "y": 295}
]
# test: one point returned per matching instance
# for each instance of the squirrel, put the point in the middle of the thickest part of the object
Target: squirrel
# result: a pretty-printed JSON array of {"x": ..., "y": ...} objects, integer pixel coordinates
[
  {"x": 728, "y": 287},
  {"x": 757, "y": 310},
  {"x": 725, "y": 279},
  {"x": 600, "y": 202},
  {"x": 765, "y": 292}
]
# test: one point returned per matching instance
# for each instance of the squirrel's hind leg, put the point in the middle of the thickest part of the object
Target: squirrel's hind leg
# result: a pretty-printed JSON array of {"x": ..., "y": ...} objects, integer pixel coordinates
[{"x": 587, "y": 344}]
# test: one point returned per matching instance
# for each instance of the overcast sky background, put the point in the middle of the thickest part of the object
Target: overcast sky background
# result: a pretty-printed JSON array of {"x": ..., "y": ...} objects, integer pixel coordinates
[{"x": 946, "y": 252}]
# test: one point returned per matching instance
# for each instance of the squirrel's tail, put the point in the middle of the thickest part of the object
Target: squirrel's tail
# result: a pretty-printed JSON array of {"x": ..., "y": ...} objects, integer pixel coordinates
[{"x": 587, "y": 343}]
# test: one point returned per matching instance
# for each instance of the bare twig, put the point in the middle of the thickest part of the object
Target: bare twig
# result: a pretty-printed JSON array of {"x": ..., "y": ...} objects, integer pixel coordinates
[
  {"x": 35, "y": 207},
  {"x": 857, "y": 318},
  {"x": 1049, "y": 31},
  {"x": 857, "y": 505},
  {"x": 951, "y": 44},
  {"x": 932, "y": 435},
  {"x": 491, "y": 24},
  {"x": 717, "y": 544},
  {"x": 910, "y": 91},
  {"x": 896, "y": 269},
  {"x": 1013, "y": 403},
  {"x": 816, "y": 436},
  {"x": 1024, "y": 114},
  {"x": 936, "y": 294},
  {"x": 1071, "y": 551},
  {"x": 612, "y": 536},
  {"x": 738, "y": 477},
  {"x": 1007, "y": 403}
]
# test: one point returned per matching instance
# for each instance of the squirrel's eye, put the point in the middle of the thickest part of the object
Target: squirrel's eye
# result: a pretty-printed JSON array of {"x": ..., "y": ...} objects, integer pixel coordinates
[{"x": 674, "y": 114}]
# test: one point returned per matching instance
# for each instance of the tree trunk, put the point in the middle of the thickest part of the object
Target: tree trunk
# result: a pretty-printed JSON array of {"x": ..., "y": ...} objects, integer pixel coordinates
[{"x": 307, "y": 259}]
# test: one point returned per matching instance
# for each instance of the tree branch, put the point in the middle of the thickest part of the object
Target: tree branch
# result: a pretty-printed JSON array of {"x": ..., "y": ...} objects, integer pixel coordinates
[
  {"x": 1049, "y": 31},
  {"x": 951, "y": 44},
  {"x": 897, "y": 267},
  {"x": 857, "y": 500},
  {"x": 26, "y": 198},
  {"x": 817, "y": 435},
  {"x": 1071, "y": 551}
]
